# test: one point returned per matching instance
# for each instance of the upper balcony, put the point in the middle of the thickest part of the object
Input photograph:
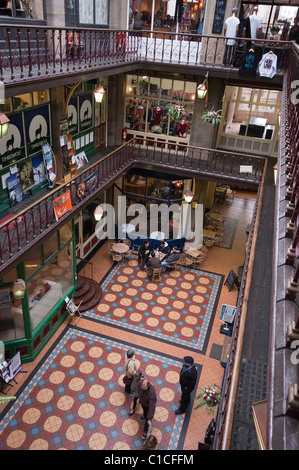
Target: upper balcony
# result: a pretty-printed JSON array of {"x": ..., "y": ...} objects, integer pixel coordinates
[{"x": 29, "y": 55}]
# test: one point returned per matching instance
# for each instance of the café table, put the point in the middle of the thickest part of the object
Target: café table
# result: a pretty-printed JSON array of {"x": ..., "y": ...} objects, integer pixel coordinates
[
  {"x": 215, "y": 216},
  {"x": 193, "y": 252},
  {"x": 120, "y": 248}
]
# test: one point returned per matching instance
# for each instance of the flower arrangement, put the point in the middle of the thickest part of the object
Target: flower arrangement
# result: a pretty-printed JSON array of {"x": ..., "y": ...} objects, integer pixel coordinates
[
  {"x": 212, "y": 116},
  {"x": 209, "y": 397},
  {"x": 177, "y": 111}
]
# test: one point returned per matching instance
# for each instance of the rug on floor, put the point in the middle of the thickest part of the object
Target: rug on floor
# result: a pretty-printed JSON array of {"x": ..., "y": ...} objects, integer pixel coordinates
[
  {"x": 230, "y": 228},
  {"x": 75, "y": 399},
  {"x": 178, "y": 309}
]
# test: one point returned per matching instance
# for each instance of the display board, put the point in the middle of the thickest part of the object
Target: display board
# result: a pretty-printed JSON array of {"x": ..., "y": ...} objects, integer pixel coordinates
[
  {"x": 231, "y": 279},
  {"x": 219, "y": 16}
]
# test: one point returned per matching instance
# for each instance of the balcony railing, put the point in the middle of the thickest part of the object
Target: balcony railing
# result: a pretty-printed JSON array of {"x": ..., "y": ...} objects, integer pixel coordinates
[
  {"x": 40, "y": 52},
  {"x": 19, "y": 233}
]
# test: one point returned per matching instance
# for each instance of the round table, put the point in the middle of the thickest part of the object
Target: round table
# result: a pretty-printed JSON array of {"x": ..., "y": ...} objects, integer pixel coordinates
[{"x": 120, "y": 248}]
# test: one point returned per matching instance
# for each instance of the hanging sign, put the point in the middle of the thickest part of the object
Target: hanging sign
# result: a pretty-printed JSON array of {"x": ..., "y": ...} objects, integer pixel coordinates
[
  {"x": 72, "y": 118},
  {"x": 37, "y": 124},
  {"x": 86, "y": 112},
  {"x": 62, "y": 205}
]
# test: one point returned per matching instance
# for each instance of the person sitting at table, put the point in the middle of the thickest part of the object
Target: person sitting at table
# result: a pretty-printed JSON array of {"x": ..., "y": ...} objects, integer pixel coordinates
[
  {"x": 164, "y": 247},
  {"x": 153, "y": 263},
  {"x": 170, "y": 258},
  {"x": 144, "y": 253}
]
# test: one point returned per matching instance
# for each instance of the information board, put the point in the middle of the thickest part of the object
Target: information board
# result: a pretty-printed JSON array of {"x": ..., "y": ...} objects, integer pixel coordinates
[
  {"x": 231, "y": 279},
  {"x": 219, "y": 16}
]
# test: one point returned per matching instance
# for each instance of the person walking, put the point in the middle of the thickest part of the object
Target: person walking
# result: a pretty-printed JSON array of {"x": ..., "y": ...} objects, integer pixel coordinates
[
  {"x": 148, "y": 401},
  {"x": 135, "y": 388},
  {"x": 188, "y": 377},
  {"x": 130, "y": 369}
]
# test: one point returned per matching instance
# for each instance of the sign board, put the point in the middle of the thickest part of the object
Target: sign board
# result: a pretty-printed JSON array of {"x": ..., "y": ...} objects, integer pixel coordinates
[
  {"x": 245, "y": 168},
  {"x": 227, "y": 313},
  {"x": 219, "y": 16},
  {"x": 231, "y": 279},
  {"x": 62, "y": 205},
  {"x": 14, "y": 365}
]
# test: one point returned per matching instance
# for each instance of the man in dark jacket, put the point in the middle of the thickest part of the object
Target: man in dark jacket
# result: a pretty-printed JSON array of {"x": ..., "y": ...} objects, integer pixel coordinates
[
  {"x": 170, "y": 258},
  {"x": 188, "y": 377},
  {"x": 148, "y": 400},
  {"x": 153, "y": 263}
]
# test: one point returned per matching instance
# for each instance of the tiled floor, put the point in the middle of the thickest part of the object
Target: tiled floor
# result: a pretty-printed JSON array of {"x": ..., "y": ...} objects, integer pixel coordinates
[{"x": 72, "y": 396}]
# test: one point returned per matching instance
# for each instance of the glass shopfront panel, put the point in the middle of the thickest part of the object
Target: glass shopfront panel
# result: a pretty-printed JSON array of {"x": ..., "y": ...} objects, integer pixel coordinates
[{"x": 151, "y": 105}]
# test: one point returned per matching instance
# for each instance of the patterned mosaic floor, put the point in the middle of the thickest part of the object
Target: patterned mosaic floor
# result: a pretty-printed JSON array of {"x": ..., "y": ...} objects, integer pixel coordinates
[
  {"x": 74, "y": 399},
  {"x": 179, "y": 309}
]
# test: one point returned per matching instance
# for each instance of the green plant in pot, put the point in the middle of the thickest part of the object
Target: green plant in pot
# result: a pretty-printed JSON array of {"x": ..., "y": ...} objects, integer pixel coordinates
[
  {"x": 212, "y": 116},
  {"x": 275, "y": 30}
]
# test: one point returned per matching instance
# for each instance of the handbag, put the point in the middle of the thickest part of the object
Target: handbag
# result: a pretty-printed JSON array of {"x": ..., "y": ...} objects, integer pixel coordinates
[{"x": 127, "y": 380}]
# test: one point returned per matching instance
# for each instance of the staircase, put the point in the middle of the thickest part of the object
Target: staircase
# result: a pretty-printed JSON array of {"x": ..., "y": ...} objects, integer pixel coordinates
[{"x": 88, "y": 292}]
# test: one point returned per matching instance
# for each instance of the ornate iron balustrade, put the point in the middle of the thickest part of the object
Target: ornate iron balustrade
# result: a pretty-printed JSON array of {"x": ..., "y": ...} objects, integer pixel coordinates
[
  {"x": 39, "y": 52},
  {"x": 19, "y": 233}
]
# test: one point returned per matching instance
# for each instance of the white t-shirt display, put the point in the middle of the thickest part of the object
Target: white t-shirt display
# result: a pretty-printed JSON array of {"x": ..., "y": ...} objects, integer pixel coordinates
[
  {"x": 255, "y": 23},
  {"x": 267, "y": 65},
  {"x": 231, "y": 29}
]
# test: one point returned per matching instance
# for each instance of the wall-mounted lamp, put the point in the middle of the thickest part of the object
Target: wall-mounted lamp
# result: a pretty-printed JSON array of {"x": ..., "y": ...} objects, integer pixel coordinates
[
  {"x": 99, "y": 92},
  {"x": 19, "y": 289},
  {"x": 202, "y": 89},
  {"x": 4, "y": 123},
  {"x": 98, "y": 213},
  {"x": 275, "y": 173},
  {"x": 188, "y": 195}
]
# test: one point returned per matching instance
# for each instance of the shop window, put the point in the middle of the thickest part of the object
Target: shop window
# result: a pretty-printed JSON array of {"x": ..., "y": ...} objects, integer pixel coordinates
[
  {"x": 40, "y": 97},
  {"x": 89, "y": 222},
  {"x": 32, "y": 262},
  {"x": 33, "y": 10},
  {"x": 93, "y": 12},
  {"x": 51, "y": 246},
  {"x": 66, "y": 233},
  {"x": 22, "y": 101},
  {"x": 49, "y": 286},
  {"x": 149, "y": 101}
]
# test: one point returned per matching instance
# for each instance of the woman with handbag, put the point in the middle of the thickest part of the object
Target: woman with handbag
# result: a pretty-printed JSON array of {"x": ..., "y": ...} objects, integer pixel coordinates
[{"x": 130, "y": 369}]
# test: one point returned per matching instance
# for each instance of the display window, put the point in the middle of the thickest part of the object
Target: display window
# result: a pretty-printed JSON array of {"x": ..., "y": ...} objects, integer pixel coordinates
[
  {"x": 152, "y": 105},
  {"x": 23, "y": 9},
  {"x": 273, "y": 21},
  {"x": 250, "y": 112},
  {"x": 49, "y": 276}
]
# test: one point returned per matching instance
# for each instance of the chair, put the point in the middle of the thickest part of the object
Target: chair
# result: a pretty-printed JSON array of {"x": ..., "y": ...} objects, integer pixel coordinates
[
  {"x": 203, "y": 249},
  {"x": 208, "y": 242},
  {"x": 127, "y": 242},
  {"x": 171, "y": 265},
  {"x": 198, "y": 261},
  {"x": 185, "y": 260},
  {"x": 128, "y": 254},
  {"x": 117, "y": 257},
  {"x": 230, "y": 194},
  {"x": 110, "y": 245},
  {"x": 156, "y": 274}
]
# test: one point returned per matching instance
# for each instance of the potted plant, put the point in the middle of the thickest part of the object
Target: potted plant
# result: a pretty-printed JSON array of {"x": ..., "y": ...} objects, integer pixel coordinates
[
  {"x": 177, "y": 111},
  {"x": 212, "y": 116},
  {"x": 209, "y": 397}
]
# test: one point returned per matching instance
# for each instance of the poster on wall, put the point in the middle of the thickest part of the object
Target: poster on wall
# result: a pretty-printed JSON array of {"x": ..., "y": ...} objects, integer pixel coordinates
[
  {"x": 14, "y": 187},
  {"x": 39, "y": 172},
  {"x": 37, "y": 124},
  {"x": 26, "y": 175},
  {"x": 12, "y": 146},
  {"x": 73, "y": 116},
  {"x": 86, "y": 112}
]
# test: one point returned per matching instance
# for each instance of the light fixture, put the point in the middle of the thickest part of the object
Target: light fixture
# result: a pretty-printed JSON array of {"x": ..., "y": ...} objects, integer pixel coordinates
[
  {"x": 19, "y": 289},
  {"x": 275, "y": 173},
  {"x": 202, "y": 89},
  {"x": 98, "y": 213},
  {"x": 99, "y": 92},
  {"x": 188, "y": 195},
  {"x": 4, "y": 123}
]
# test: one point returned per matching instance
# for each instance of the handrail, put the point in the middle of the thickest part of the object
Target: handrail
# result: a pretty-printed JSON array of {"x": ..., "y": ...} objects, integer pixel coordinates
[
  {"x": 36, "y": 221},
  {"x": 226, "y": 407},
  {"x": 40, "y": 51}
]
